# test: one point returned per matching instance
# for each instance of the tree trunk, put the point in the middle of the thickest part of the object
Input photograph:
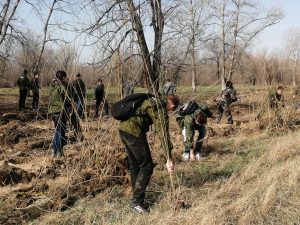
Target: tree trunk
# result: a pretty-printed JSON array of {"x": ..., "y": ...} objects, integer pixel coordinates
[
  {"x": 194, "y": 65},
  {"x": 4, "y": 23},
  {"x": 295, "y": 72},
  {"x": 235, "y": 33},
  {"x": 45, "y": 37},
  {"x": 223, "y": 73},
  {"x": 158, "y": 26},
  {"x": 138, "y": 27}
]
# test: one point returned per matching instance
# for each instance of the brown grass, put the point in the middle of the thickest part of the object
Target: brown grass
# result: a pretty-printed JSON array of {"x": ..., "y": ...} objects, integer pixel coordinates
[
  {"x": 248, "y": 176},
  {"x": 263, "y": 190}
]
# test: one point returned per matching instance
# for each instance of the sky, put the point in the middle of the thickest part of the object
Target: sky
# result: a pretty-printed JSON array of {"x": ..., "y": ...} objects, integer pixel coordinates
[
  {"x": 271, "y": 39},
  {"x": 274, "y": 37}
]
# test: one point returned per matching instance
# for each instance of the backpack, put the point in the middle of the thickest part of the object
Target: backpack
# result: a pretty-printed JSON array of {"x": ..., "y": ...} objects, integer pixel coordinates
[
  {"x": 126, "y": 107},
  {"x": 188, "y": 108}
]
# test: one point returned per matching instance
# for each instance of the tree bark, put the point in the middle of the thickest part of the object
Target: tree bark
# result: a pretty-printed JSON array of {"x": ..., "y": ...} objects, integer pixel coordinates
[
  {"x": 158, "y": 26},
  {"x": 138, "y": 27}
]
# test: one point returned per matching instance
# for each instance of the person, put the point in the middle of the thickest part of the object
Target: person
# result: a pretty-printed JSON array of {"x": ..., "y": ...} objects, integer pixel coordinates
[
  {"x": 276, "y": 99},
  {"x": 189, "y": 124},
  {"x": 35, "y": 87},
  {"x": 61, "y": 101},
  {"x": 228, "y": 96},
  {"x": 275, "y": 102},
  {"x": 100, "y": 98},
  {"x": 80, "y": 91},
  {"x": 128, "y": 88},
  {"x": 23, "y": 83},
  {"x": 169, "y": 88},
  {"x": 133, "y": 136}
]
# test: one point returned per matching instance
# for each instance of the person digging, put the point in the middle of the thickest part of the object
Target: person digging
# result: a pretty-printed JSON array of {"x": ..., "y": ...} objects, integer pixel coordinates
[{"x": 153, "y": 110}]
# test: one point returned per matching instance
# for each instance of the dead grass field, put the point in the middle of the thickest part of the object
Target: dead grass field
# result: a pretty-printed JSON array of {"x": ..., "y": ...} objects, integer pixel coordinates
[{"x": 249, "y": 173}]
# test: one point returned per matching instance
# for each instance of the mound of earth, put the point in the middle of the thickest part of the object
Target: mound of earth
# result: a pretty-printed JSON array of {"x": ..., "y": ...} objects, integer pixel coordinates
[{"x": 10, "y": 175}]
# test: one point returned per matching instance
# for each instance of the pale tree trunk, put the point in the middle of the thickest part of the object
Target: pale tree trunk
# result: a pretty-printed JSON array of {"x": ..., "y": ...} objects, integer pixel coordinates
[
  {"x": 295, "y": 70},
  {"x": 193, "y": 48},
  {"x": 194, "y": 65},
  {"x": 117, "y": 72},
  {"x": 223, "y": 72},
  {"x": 235, "y": 33}
]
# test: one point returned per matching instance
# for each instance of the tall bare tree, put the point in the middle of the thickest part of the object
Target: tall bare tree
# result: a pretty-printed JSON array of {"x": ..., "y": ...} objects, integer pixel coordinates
[
  {"x": 240, "y": 21},
  {"x": 45, "y": 33},
  {"x": 293, "y": 51}
]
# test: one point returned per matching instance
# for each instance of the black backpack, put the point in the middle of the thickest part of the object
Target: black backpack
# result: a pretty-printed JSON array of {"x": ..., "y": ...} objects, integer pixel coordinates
[
  {"x": 126, "y": 107},
  {"x": 188, "y": 108}
]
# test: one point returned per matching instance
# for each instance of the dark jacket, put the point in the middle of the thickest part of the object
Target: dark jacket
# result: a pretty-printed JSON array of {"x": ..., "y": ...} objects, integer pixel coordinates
[
  {"x": 275, "y": 100},
  {"x": 99, "y": 91},
  {"x": 79, "y": 88},
  {"x": 23, "y": 82},
  {"x": 35, "y": 86}
]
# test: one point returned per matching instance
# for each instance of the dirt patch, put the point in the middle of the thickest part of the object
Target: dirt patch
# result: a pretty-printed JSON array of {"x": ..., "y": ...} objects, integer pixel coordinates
[
  {"x": 12, "y": 133},
  {"x": 34, "y": 137},
  {"x": 11, "y": 175}
]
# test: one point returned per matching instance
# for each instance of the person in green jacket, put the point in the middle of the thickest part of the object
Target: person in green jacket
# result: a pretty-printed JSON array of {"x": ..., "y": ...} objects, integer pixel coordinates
[
  {"x": 190, "y": 123},
  {"x": 133, "y": 135},
  {"x": 61, "y": 105}
]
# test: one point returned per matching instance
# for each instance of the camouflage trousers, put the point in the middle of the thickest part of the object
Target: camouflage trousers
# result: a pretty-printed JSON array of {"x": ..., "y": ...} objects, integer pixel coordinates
[{"x": 223, "y": 108}]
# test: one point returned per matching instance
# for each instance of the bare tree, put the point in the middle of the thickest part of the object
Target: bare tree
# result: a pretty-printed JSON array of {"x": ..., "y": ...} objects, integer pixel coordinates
[
  {"x": 45, "y": 32},
  {"x": 7, "y": 12},
  {"x": 240, "y": 21},
  {"x": 66, "y": 56},
  {"x": 293, "y": 51},
  {"x": 118, "y": 24}
]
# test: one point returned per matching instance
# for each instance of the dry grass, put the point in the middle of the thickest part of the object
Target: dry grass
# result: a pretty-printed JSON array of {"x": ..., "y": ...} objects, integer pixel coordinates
[
  {"x": 248, "y": 176},
  {"x": 259, "y": 184}
]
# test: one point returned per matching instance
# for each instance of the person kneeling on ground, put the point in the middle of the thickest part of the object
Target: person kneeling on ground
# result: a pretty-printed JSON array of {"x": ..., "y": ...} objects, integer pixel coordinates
[
  {"x": 192, "y": 118},
  {"x": 133, "y": 135}
]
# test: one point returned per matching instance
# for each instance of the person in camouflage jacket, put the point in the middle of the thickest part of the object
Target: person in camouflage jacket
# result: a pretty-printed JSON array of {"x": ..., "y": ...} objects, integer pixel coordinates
[
  {"x": 191, "y": 123},
  {"x": 133, "y": 135},
  {"x": 228, "y": 96},
  {"x": 169, "y": 88}
]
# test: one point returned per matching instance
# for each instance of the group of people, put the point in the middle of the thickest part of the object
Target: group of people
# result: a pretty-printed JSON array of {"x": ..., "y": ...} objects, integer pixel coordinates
[
  {"x": 25, "y": 85},
  {"x": 67, "y": 104},
  {"x": 191, "y": 117}
]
